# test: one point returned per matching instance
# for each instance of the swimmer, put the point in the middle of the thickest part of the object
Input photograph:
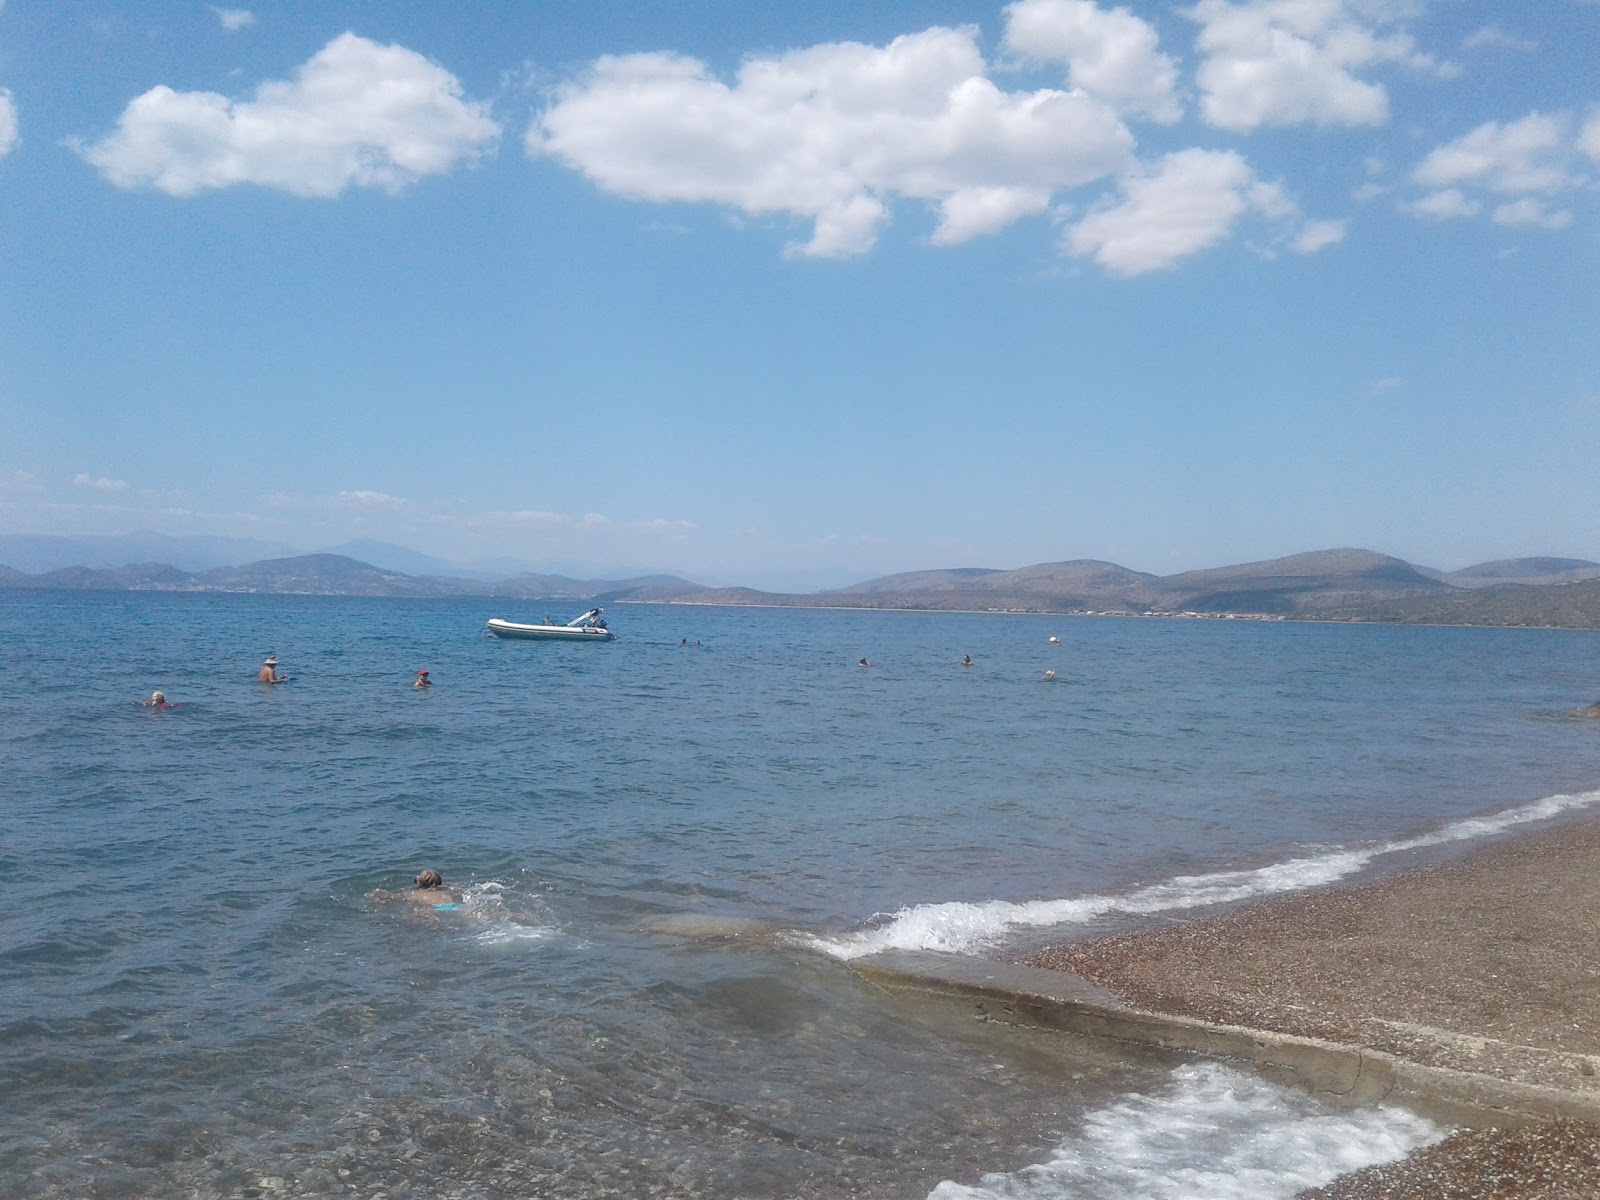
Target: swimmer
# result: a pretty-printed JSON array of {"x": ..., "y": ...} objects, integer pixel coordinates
[
  {"x": 1055, "y": 641},
  {"x": 1049, "y": 674},
  {"x": 863, "y": 663},
  {"x": 269, "y": 671},
  {"x": 683, "y": 641},
  {"x": 157, "y": 700},
  {"x": 422, "y": 680},
  {"x": 966, "y": 660},
  {"x": 427, "y": 891}
]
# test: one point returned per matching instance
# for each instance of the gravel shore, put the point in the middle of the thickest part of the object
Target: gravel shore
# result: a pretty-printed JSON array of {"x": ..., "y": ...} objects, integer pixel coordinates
[{"x": 1489, "y": 964}]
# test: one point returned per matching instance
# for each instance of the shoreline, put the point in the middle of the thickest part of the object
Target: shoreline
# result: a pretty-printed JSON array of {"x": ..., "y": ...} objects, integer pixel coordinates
[{"x": 1485, "y": 965}]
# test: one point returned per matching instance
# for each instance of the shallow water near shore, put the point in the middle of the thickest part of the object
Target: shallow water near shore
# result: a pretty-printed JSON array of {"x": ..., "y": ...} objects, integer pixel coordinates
[{"x": 202, "y": 998}]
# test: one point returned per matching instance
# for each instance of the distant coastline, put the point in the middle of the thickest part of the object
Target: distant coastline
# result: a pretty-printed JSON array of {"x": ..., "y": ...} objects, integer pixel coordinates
[{"x": 1329, "y": 585}]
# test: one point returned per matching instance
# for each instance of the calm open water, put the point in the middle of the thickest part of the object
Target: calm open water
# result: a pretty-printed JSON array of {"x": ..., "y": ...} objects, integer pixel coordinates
[{"x": 198, "y": 995}]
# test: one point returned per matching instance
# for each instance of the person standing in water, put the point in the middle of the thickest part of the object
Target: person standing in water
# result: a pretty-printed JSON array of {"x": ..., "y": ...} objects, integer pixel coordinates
[
  {"x": 422, "y": 680},
  {"x": 269, "y": 671}
]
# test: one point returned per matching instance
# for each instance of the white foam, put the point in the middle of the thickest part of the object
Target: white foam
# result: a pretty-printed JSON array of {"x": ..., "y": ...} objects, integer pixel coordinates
[
  {"x": 495, "y": 922},
  {"x": 1215, "y": 1133},
  {"x": 960, "y": 927}
]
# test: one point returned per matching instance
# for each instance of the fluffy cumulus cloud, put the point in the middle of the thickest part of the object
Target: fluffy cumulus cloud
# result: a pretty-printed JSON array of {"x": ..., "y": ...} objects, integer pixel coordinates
[
  {"x": 1110, "y": 54},
  {"x": 358, "y": 114},
  {"x": 1185, "y": 203},
  {"x": 1291, "y": 62},
  {"x": 8, "y": 122},
  {"x": 1520, "y": 171},
  {"x": 833, "y": 134}
]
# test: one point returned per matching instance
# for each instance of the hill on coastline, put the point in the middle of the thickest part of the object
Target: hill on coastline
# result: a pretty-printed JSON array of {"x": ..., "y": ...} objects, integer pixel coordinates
[{"x": 1342, "y": 584}]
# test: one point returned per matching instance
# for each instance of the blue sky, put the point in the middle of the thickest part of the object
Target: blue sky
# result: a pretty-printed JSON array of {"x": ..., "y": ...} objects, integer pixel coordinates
[{"x": 798, "y": 295}]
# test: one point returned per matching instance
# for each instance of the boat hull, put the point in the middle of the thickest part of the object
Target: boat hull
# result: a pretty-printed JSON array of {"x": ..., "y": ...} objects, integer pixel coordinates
[{"x": 547, "y": 633}]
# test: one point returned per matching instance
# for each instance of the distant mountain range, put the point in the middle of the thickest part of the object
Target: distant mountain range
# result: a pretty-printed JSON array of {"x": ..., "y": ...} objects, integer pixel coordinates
[
  {"x": 1351, "y": 585},
  {"x": 338, "y": 575}
]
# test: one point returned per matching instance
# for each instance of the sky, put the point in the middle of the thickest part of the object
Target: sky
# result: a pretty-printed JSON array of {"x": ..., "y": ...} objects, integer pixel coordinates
[{"x": 797, "y": 295}]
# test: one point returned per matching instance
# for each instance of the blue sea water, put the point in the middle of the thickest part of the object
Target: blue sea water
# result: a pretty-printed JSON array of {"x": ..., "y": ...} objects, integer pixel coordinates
[{"x": 204, "y": 994}]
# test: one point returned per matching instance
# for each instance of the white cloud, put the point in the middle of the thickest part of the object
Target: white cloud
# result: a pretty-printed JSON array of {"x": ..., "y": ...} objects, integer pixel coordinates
[
  {"x": 1187, "y": 203},
  {"x": 1318, "y": 235},
  {"x": 356, "y": 115},
  {"x": 1290, "y": 62},
  {"x": 832, "y": 134},
  {"x": 371, "y": 501},
  {"x": 98, "y": 484},
  {"x": 1112, "y": 55},
  {"x": 8, "y": 122},
  {"x": 1517, "y": 169},
  {"x": 1492, "y": 37},
  {"x": 1444, "y": 205},
  {"x": 1529, "y": 155},
  {"x": 234, "y": 19},
  {"x": 1589, "y": 137},
  {"x": 1531, "y": 211}
]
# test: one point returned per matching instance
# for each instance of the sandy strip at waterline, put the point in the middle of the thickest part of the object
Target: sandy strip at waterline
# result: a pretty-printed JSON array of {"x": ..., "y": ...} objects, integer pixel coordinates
[{"x": 1489, "y": 964}]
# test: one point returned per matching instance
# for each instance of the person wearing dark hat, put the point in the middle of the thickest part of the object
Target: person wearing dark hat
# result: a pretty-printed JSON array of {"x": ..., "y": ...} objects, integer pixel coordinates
[
  {"x": 269, "y": 671},
  {"x": 422, "y": 680}
]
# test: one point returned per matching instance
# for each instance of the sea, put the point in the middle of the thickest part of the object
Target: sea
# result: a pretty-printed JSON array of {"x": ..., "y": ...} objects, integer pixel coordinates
[{"x": 669, "y": 850}]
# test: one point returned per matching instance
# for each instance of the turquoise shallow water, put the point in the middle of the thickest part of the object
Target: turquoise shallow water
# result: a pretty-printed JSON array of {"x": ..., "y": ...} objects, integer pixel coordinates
[{"x": 202, "y": 998}]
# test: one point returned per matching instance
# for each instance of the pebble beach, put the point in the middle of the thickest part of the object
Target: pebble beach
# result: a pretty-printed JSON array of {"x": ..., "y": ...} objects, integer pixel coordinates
[{"x": 1488, "y": 964}]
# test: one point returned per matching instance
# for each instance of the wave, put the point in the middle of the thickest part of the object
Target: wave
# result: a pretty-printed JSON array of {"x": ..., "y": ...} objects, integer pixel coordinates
[
  {"x": 1216, "y": 1132},
  {"x": 500, "y": 917},
  {"x": 960, "y": 927}
]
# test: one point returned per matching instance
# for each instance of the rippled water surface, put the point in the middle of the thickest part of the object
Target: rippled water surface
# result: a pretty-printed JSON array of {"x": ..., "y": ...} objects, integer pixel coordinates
[{"x": 203, "y": 997}]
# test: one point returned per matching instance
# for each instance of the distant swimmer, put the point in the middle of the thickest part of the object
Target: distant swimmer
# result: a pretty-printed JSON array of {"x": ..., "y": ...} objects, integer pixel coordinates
[
  {"x": 269, "y": 671},
  {"x": 422, "y": 680},
  {"x": 1054, "y": 641},
  {"x": 1049, "y": 674},
  {"x": 683, "y": 641},
  {"x": 966, "y": 660},
  {"x": 863, "y": 663},
  {"x": 1592, "y": 711},
  {"x": 157, "y": 700}
]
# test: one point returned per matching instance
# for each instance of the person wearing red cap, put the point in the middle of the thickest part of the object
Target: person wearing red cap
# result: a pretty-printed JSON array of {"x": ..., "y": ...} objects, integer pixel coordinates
[{"x": 422, "y": 680}]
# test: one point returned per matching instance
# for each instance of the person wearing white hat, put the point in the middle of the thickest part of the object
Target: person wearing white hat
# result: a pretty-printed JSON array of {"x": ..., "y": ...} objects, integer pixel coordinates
[{"x": 269, "y": 670}]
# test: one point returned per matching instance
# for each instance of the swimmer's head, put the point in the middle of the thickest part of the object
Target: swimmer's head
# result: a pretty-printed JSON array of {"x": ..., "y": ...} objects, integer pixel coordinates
[
  {"x": 430, "y": 879},
  {"x": 158, "y": 698}
]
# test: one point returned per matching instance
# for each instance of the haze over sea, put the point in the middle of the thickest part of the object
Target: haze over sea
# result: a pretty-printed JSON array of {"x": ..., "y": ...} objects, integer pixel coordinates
[{"x": 202, "y": 998}]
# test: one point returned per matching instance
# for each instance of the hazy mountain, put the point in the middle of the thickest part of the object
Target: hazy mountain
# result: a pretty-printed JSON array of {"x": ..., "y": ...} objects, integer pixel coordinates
[
  {"x": 1557, "y": 606},
  {"x": 918, "y": 581},
  {"x": 1328, "y": 584},
  {"x": 1525, "y": 570},
  {"x": 1322, "y": 578},
  {"x": 1283, "y": 586},
  {"x": 33, "y": 553},
  {"x": 389, "y": 557}
]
